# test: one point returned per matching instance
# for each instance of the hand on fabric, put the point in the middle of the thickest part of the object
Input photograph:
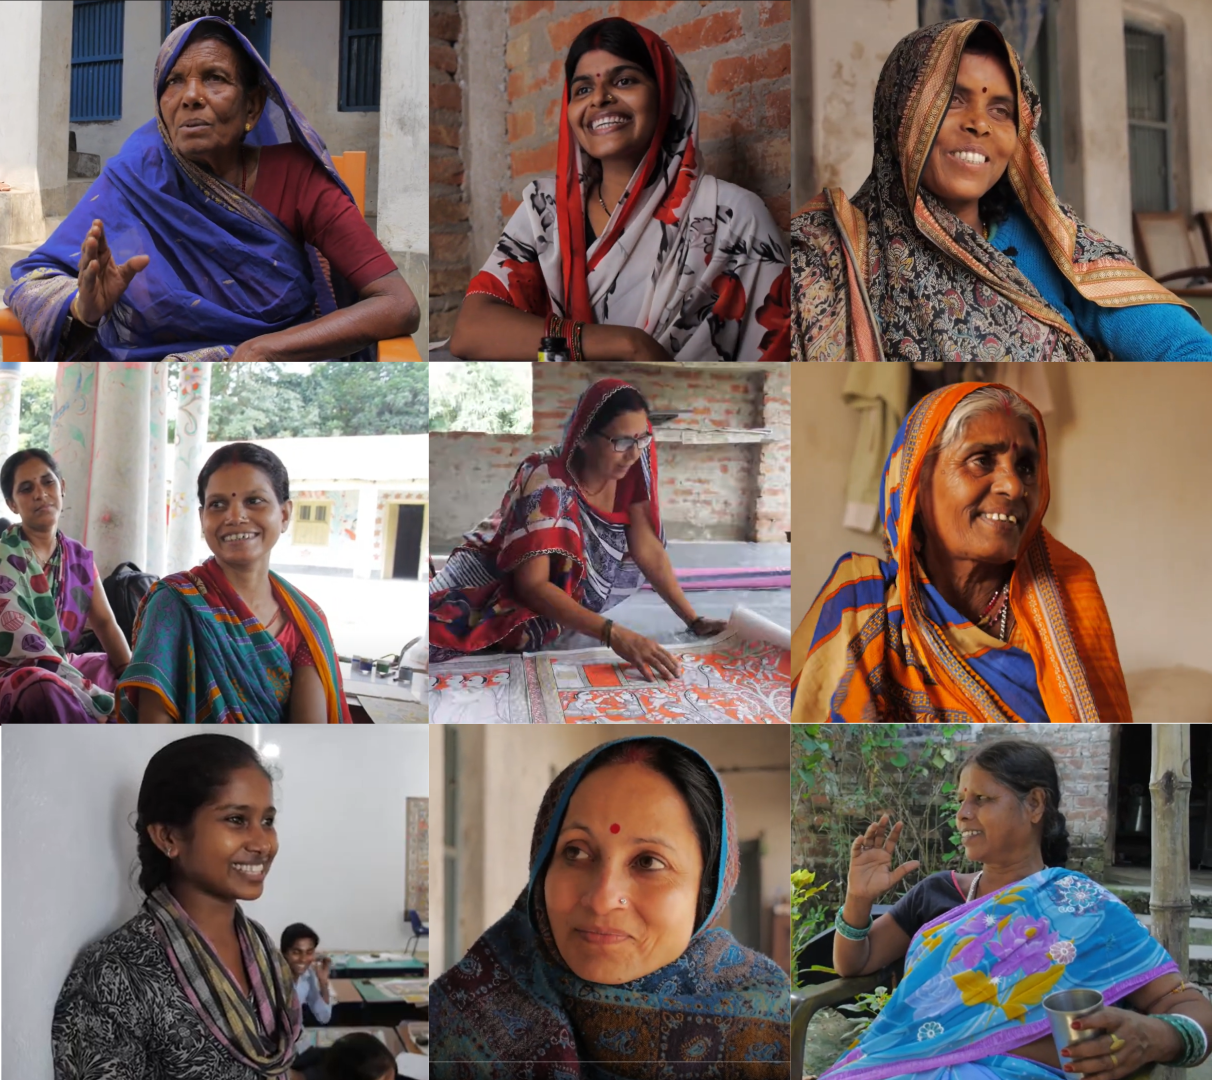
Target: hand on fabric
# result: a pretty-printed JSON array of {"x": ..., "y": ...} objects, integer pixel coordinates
[
  {"x": 646, "y": 348},
  {"x": 644, "y": 654},
  {"x": 602, "y": 341},
  {"x": 251, "y": 351},
  {"x": 101, "y": 280},
  {"x": 1145, "y": 1041},
  {"x": 707, "y": 627},
  {"x": 871, "y": 874}
]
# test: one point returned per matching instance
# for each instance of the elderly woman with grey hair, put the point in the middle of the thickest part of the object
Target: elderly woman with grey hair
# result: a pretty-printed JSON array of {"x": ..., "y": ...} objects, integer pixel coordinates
[{"x": 976, "y": 614}]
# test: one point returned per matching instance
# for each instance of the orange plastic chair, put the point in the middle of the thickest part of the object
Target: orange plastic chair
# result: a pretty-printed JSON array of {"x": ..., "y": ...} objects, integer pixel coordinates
[
  {"x": 15, "y": 347},
  {"x": 351, "y": 167}
]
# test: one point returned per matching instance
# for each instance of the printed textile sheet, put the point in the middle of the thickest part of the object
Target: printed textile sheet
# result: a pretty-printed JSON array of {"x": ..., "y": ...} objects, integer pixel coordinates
[{"x": 737, "y": 677}]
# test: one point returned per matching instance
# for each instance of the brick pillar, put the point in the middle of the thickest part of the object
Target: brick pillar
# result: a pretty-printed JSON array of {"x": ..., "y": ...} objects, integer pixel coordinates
[{"x": 448, "y": 225}]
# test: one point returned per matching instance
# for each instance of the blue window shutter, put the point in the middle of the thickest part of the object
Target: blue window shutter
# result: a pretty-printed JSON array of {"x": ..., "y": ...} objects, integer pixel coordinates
[
  {"x": 97, "y": 60},
  {"x": 361, "y": 49}
]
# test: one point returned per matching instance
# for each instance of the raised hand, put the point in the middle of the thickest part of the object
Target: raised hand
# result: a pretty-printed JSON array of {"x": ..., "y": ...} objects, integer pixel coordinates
[
  {"x": 871, "y": 874},
  {"x": 102, "y": 280}
]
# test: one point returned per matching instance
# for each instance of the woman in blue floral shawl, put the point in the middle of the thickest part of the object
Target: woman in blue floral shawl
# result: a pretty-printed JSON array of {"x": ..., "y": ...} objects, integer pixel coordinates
[
  {"x": 983, "y": 951},
  {"x": 607, "y": 966}
]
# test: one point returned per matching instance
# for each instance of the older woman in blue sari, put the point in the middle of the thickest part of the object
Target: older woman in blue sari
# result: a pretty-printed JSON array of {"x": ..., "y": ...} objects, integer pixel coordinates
[
  {"x": 984, "y": 950},
  {"x": 221, "y": 230}
]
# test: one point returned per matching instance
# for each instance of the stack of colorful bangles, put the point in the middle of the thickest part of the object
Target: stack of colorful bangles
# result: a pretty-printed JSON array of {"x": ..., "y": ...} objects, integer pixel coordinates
[
  {"x": 1195, "y": 1040},
  {"x": 570, "y": 331},
  {"x": 851, "y": 933}
]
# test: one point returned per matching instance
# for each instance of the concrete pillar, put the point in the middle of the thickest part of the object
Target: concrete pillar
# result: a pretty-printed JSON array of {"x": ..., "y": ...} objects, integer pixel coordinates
[
  {"x": 364, "y": 536},
  {"x": 485, "y": 156},
  {"x": 839, "y": 50},
  {"x": 193, "y": 407},
  {"x": 33, "y": 135},
  {"x": 116, "y": 524},
  {"x": 71, "y": 441},
  {"x": 1094, "y": 114},
  {"x": 10, "y": 408},
  {"x": 403, "y": 209},
  {"x": 157, "y": 475}
]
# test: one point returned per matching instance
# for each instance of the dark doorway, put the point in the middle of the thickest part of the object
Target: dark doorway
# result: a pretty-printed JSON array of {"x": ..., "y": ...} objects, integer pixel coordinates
[
  {"x": 745, "y": 908},
  {"x": 410, "y": 520}
]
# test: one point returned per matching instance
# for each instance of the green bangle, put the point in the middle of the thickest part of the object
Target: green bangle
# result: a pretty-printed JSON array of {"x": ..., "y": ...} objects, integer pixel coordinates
[
  {"x": 852, "y": 933},
  {"x": 1193, "y": 1036}
]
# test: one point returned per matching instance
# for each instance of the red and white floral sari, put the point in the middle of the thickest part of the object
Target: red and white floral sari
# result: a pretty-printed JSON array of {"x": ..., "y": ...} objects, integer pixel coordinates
[{"x": 697, "y": 263}]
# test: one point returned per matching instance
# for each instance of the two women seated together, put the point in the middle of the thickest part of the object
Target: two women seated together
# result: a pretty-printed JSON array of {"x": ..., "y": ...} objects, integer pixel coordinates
[
  {"x": 229, "y": 641},
  {"x": 220, "y": 231},
  {"x": 976, "y": 613},
  {"x": 955, "y": 247},
  {"x": 632, "y": 251},
  {"x": 608, "y": 964},
  {"x": 983, "y": 951},
  {"x": 578, "y": 531},
  {"x": 190, "y": 986}
]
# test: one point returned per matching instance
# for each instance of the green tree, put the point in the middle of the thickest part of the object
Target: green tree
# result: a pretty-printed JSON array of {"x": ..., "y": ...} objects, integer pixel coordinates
[
  {"x": 37, "y": 401},
  {"x": 473, "y": 396}
]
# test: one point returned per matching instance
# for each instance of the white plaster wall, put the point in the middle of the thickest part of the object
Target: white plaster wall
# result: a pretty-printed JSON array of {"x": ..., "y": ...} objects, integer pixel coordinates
[
  {"x": 520, "y": 763},
  {"x": 140, "y": 44},
  {"x": 1197, "y": 24},
  {"x": 304, "y": 50},
  {"x": 403, "y": 126},
  {"x": 68, "y": 849},
  {"x": 846, "y": 47},
  {"x": 21, "y": 25}
]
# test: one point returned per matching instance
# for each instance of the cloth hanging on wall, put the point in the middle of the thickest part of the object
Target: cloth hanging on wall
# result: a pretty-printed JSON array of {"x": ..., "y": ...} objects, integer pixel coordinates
[{"x": 880, "y": 393}]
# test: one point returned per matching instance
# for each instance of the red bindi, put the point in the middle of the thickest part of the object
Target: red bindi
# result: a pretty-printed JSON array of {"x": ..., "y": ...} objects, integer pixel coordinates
[{"x": 614, "y": 828}]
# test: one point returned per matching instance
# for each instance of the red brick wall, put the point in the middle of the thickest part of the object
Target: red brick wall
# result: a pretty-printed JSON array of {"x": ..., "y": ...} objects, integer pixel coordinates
[
  {"x": 724, "y": 492},
  {"x": 737, "y": 52},
  {"x": 448, "y": 227}
]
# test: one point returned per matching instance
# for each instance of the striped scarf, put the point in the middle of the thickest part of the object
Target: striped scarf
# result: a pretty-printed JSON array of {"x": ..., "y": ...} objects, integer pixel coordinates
[{"x": 259, "y": 1033}]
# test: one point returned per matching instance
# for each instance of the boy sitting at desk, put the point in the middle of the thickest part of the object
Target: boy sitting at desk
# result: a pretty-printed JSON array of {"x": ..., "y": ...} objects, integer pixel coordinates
[{"x": 299, "y": 944}]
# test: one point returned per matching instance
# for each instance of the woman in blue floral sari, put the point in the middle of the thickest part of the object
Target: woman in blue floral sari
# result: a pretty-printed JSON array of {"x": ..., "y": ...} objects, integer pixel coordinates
[
  {"x": 220, "y": 230},
  {"x": 982, "y": 951}
]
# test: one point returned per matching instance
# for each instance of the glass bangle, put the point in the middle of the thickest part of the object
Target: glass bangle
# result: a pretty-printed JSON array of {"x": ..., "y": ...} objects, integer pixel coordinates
[
  {"x": 1193, "y": 1036},
  {"x": 851, "y": 933}
]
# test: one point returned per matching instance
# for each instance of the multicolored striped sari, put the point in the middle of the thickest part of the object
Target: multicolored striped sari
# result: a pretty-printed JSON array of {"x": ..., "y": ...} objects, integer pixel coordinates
[
  {"x": 511, "y": 1008},
  {"x": 223, "y": 269},
  {"x": 259, "y": 1031},
  {"x": 892, "y": 274},
  {"x": 881, "y": 644},
  {"x": 976, "y": 977},
  {"x": 472, "y": 604},
  {"x": 200, "y": 648}
]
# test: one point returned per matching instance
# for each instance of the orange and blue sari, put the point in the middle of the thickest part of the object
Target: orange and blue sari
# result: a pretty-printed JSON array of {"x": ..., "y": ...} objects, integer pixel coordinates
[
  {"x": 201, "y": 650},
  {"x": 880, "y": 644}
]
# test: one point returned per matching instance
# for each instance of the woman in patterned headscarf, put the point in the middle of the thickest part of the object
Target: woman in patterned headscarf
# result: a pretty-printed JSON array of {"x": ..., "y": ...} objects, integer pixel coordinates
[
  {"x": 632, "y": 251},
  {"x": 607, "y": 965},
  {"x": 955, "y": 247},
  {"x": 220, "y": 230},
  {"x": 976, "y": 614}
]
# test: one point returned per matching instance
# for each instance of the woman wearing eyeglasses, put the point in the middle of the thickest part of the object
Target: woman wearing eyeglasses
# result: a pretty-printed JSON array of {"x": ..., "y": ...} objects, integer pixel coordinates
[{"x": 578, "y": 532}]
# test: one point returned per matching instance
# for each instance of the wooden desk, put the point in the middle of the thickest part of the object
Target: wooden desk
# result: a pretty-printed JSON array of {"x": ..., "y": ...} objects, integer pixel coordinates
[
  {"x": 326, "y": 1036},
  {"x": 407, "y": 1030},
  {"x": 345, "y": 991},
  {"x": 385, "y": 700},
  {"x": 400, "y": 965}
]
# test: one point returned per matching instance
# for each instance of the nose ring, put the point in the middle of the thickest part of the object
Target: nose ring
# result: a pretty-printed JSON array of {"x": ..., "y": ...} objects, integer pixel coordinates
[{"x": 622, "y": 901}]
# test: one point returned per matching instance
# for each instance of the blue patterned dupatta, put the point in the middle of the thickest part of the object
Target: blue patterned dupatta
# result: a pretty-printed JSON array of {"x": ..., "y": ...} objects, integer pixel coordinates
[
  {"x": 223, "y": 269},
  {"x": 976, "y": 977},
  {"x": 512, "y": 1009}
]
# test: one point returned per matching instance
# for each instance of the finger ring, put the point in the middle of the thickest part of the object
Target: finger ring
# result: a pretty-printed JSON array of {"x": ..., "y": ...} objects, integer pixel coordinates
[
  {"x": 1115, "y": 1061},
  {"x": 1117, "y": 1043}
]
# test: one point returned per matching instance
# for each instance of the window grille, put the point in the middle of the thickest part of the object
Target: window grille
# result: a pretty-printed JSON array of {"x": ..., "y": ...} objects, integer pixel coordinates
[
  {"x": 311, "y": 524},
  {"x": 1148, "y": 121},
  {"x": 361, "y": 47},
  {"x": 97, "y": 60}
]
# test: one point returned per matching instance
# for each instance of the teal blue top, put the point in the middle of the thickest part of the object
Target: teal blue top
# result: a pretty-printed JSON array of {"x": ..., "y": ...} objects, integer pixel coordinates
[{"x": 1145, "y": 332}]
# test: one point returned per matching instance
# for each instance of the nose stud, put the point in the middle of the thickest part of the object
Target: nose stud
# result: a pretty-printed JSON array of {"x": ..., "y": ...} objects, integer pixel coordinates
[{"x": 622, "y": 901}]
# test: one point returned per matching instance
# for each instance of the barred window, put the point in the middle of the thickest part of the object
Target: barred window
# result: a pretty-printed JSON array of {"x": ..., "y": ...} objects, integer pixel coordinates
[
  {"x": 311, "y": 524},
  {"x": 97, "y": 60},
  {"x": 361, "y": 47},
  {"x": 1149, "y": 139}
]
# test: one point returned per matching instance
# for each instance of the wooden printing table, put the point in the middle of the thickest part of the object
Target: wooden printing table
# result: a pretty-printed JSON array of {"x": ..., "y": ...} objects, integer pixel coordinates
[{"x": 379, "y": 1002}]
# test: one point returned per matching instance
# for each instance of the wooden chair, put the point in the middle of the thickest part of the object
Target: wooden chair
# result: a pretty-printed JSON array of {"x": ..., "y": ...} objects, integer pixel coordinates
[
  {"x": 1166, "y": 251},
  {"x": 15, "y": 346}
]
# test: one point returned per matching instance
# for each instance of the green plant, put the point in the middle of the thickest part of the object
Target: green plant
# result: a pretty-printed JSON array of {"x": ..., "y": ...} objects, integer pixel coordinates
[
  {"x": 871, "y": 1004},
  {"x": 807, "y": 920},
  {"x": 845, "y": 778}
]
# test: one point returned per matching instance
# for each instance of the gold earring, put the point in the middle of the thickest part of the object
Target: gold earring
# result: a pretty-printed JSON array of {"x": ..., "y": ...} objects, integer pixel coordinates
[{"x": 248, "y": 127}]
